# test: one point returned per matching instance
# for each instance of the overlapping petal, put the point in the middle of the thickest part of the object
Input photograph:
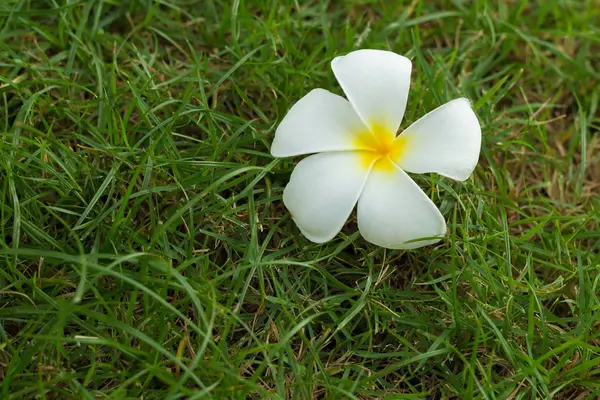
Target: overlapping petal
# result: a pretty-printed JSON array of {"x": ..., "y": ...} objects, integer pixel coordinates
[
  {"x": 394, "y": 212},
  {"x": 446, "y": 140},
  {"x": 377, "y": 83},
  {"x": 320, "y": 121},
  {"x": 322, "y": 192}
]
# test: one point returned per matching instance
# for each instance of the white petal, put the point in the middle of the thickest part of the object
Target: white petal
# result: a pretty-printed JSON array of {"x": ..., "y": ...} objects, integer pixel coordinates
[
  {"x": 320, "y": 121},
  {"x": 377, "y": 83},
  {"x": 322, "y": 192},
  {"x": 447, "y": 141},
  {"x": 393, "y": 211}
]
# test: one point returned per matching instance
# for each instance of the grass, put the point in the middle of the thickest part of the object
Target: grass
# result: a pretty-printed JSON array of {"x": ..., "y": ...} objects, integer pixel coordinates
[{"x": 145, "y": 251}]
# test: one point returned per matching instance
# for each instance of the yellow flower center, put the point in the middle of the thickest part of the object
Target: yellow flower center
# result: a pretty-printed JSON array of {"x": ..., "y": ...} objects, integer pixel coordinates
[{"x": 380, "y": 146}]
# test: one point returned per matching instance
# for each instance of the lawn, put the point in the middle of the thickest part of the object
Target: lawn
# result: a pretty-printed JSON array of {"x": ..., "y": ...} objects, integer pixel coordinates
[{"x": 145, "y": 251}]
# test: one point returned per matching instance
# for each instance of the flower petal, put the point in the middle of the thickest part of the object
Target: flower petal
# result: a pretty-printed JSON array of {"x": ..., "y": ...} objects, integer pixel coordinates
[
  {"x": 320, "y": 121},
  {"x": 377, "y": 83},
  {"x": 322, "y": 192},
  {"x": 447, "y": 140},
  {"x": 394, "y": 212}
]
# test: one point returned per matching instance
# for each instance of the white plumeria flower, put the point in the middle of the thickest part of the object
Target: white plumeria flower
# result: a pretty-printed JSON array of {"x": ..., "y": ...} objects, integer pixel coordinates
[{"x": 361, "y": 160}]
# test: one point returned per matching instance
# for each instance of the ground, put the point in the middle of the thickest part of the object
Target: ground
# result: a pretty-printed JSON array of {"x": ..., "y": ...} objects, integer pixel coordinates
[{"x": 145, "y": 251}]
